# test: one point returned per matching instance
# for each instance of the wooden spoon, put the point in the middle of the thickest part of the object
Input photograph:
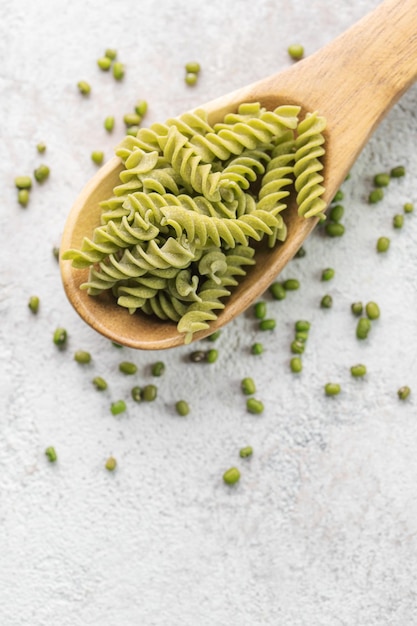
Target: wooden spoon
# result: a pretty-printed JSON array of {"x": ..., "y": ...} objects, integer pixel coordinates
[{"x": 353, "y": 82}]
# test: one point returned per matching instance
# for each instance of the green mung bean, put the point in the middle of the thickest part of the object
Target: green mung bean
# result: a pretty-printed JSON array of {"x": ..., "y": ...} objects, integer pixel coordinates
[
  {"x": 23, "y": 182},
  {"x": 212, "y": 355},
  {"x": 231, "y": 476},
  {"x": 248, "y": 386},
  {"x": 267, "y": 324},
  {"x": 376, "y": 195},
  {"x": 111, "y": 53},
  {"x": 398, "y": 220},
  {"x": 336, "y": 213},
  {"x": 327, "y": 274},
  {"x": 60, "y": 337},
  {"x": 382, "y": 180},
  {"x": 111, "y": 464},
  {"x": 356, "y": 308},
  {"x": 408, "y": 207},
  {"x": 141, "y": 107},
  {"x": 372, "y": 310},
  {"x": 339, "y": 195},
  {"x": 126, "y": 367},
  {"x": 326, "y": 302},
  {"x": 149, "y": 393},
  {"x": 382, "y": 244},
  {"x": 33, "y": 304},
  {"x": 246, "y": 452},
  {"x": 158, "y": 368},
  {"x": 51, "y": 454},
  {"x": 118, "y": 70},
  {"x": 363, "y": 327},
  {"x": 41, "y": 147},
  {"x": 259, "y": 310},
  {"x": 41, "y": 173},
  {"x": 332, "y": 389},
  {"x": 358, "y": 370},
  {"x": 334, "y": 229},
  {"x": 191, "y": 78},
  {"x": 297, "y": 347},
  {"x": 398, "y": 171},
  {"x": 99, "y": 383},
  {"x": 84, "y": 88},
  {"x": 182, "y": 408},
  {"x": 23, "y": 197},
  {"x": 277, "y": 291},
  {"x": 97, "y": 156},
  {"x": 296, "y": 365},
  {"x": 404, "y": 392},
  {"x": 118, "y": 407},
  {"x": 109, "y": 123},
  {"x": 193, "y": 67},
  {"x": 302, "y": 326},
  {"x": 136, "y": 393},
  {"x": 254, "y": 406},
  {"x": 296, "y": 51},
  {"x": 104, "y": 63},
  {"x": 82, "y": 356},
  {"x": 257, "y": 348},
  {"x": 291, "y": 284}
]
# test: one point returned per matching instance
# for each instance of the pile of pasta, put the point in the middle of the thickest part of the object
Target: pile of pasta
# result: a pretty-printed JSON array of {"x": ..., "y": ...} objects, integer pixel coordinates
[{"x": 178, "y": 232}]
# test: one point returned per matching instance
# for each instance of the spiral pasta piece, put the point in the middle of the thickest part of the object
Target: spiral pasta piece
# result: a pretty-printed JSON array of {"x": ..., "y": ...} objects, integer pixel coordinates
[{"x": 309, "y": 149}]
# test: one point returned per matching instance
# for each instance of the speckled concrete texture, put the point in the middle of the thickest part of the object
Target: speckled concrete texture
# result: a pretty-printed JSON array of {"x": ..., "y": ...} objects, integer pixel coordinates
[{"x": 321, "y": 530}]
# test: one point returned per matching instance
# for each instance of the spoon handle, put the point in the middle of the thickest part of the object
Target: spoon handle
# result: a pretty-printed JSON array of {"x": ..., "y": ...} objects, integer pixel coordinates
[{"x": 363, "y": 73}]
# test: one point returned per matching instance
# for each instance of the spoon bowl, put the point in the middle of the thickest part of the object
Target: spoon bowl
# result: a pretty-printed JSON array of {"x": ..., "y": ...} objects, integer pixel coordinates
[{"x": 353, "y": 82}]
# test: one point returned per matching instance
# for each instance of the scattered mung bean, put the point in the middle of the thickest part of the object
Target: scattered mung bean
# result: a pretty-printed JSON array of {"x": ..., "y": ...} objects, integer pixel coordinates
[
  {"x": 296, "y": 365},
  {"x": 259, "y": 310},
  {"x": 327, "y": 274},
  {"x": 136, "y": 393},
  {"x": 291, "y": 284},
  {"x": 254, "y": 406},
  {"x": 82, "y": 356},
  {"x": 109, "y": 123},
  {"x": 248, "y": 386},
  {"x": 358, "y": 370},
  {"x": 126, "y": 367},
  {"x": 398, "y": 220},
  {"x": 117, "y": 407},
  {"x": 334, "y": 229},
  {"x": 149, "y": 393},
  {"x": 99, "y": 383},
  {"x": 326, "y": 302},
  {"x": 397, "y": 172},
  {"x": 356, "y": 308},
  {"x": 382, "y": 244},
  {"x": 257, "y": 348},
  {"x": 408, "y": 207},
  {"x": 97, "y": 156},
  {"x": 404, "y": 392},
  {"x": 267, "y": 324},
  {"x": 231, "y": 476},
  {"x": 363, "y": 327},
  {"x": 104, "y": 63},
  {"x": 372, "y": 310},
  {"x": 23, "y": 197},
  {"x": 51, "y": 454},
  {"x": 246, "y": 452},
  {"x": 336, "y": 213},
  {"x": 182, "y": 408},
  {"x": 376, "y": 195},
  {"x": 111, "y": 464},
  {"x": 212, "y": 355},
  {"x": 41, "y": 173},
  {"x": 332, "y": 389},
  {"x": 33, "y": 304},
  {"x": 382, "y": 180},
  {"x": 60, "y": 337},
  {"x": 118, "y": 70},
  {"x": 23, "y": 182},
  {"x": 158, "y": 368},
  {"x": 84, "y": 87},
  {"x": 296, "y": 51},
  {"x": 277, "y": 291}
]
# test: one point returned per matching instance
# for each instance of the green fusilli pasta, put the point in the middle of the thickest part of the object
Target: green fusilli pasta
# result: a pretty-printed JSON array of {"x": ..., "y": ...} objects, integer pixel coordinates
[{"x": 177, "y": 233}]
